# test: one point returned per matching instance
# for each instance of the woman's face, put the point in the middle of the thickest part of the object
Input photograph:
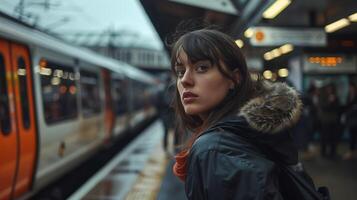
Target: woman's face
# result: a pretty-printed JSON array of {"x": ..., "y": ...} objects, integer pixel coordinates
[{"x": 201, "y": 85}]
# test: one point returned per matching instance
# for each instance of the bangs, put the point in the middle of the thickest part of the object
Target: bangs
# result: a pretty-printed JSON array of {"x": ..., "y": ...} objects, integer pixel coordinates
[{"x": 197, "y": 48}]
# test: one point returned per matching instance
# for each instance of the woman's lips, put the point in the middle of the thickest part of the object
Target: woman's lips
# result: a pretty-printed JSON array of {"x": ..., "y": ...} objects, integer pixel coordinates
[{"x": 189, "y": 97}]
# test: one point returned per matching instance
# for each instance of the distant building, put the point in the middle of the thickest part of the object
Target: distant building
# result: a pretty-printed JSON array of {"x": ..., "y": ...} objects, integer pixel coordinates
[
  {"x": 125, "y": 46},
  {"x": 147, "y": 59}
]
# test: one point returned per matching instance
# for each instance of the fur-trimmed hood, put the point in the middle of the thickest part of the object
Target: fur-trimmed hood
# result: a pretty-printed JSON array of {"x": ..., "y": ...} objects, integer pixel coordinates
[
  {"x": 279, "y": 107},
  {"x": 267, "y": 119}
]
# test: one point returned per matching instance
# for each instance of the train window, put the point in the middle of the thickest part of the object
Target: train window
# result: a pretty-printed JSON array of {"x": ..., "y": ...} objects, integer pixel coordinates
[
  {"x": 119, "y": 92},
  {"x": 128, "y": 57},
  {"x": 59, "y": 92},
  {"x": 139, "y": 95},
  {"x": 90, "y": 93},
  {"x": 5, "y": 123},
  {"x": 22, "y": 74}
]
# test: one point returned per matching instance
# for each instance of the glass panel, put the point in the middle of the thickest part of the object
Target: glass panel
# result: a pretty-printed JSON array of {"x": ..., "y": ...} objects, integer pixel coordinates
[
  {"x": 22, "y": 74},
  {"x": 5, "y": 122},
  {"x": 119, "y": 98},
  {"x": 138, "y": 95},
  {"x": 91, "y": 103},
  {"x": 59, "y": 92}
]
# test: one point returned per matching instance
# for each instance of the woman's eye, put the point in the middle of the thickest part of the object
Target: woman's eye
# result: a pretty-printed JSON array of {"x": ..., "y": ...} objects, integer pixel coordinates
[
  {"x": 202, "y": 68},
  {"x": 180, "y": 73}
]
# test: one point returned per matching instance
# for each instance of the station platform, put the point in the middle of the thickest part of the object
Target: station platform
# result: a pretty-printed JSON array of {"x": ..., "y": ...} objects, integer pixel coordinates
[
  {"x": 144, "y": 171},
  {"x": 140, "y": 171}
]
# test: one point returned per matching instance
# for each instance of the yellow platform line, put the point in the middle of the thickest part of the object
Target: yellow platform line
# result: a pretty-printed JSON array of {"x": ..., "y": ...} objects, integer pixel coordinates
[{"x": 148, "y": 183}]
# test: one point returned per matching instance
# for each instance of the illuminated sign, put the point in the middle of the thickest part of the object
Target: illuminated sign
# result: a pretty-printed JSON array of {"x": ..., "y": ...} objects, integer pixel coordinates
[
  {"x": 271, "y": 36},
  {"x": 337, "y": 63}
]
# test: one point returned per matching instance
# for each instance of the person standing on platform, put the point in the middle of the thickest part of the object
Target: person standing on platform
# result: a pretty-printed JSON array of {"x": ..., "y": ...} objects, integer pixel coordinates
[
  {"x": 351, "y": 120},
  {"x": 164, "y": 107},
  {"x": 329, "y": 114},
  {"x": 240, "y": 128}
]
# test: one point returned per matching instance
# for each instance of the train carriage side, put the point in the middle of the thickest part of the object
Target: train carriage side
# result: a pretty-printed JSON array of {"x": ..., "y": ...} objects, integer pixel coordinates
[
  {"x": 70, "y": 124},
  {"x": 18, "y": 138},
  {"x": 37, "y": 78},
  {"x": 121, "y": 104},
  {"x": 140, "y": 96},
  {"x": 58, "y": 104}
]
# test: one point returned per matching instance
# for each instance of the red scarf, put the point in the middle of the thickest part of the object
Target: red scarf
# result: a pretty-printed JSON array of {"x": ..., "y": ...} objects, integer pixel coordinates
[{"x": 180, "y": 166}]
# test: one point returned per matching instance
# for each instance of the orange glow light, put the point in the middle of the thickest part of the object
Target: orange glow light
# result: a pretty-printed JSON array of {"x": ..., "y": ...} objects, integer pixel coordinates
[
  {"x": 329, "y": 61},
  {"x": 63, "y": 89},
  {"x": 72, "y": 89}
]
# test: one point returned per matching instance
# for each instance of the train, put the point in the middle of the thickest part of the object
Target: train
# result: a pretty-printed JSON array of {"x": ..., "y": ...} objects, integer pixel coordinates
[{"x": 59, "y": 104}]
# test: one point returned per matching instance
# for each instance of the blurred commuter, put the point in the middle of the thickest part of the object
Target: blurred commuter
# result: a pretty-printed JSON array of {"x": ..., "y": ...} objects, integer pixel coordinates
[
  {"x": 304, "y": 129},
  {"x": 329, "y": 114},
  {"x": 351, "y": 120},
  {"x": 166, "y": 113},
  {"x": 240, "y": 147},
  {"x": 312, "y": 104}
]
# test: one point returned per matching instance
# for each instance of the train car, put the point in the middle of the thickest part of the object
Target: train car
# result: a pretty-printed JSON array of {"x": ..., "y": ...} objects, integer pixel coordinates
[{"x": 58, "y": 105}]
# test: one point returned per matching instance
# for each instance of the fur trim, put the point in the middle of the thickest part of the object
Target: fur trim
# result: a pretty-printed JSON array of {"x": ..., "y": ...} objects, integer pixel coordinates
[{"x": 278, "y": 108}]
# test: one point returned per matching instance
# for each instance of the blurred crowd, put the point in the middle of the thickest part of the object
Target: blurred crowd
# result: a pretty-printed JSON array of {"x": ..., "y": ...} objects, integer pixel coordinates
[{"x": 328, "y": 121}]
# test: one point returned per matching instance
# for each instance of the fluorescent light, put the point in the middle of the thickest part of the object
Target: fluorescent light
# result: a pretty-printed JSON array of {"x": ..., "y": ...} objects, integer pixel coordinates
[
  {"x": 286, "y": 48},
  {"x": 276, "y": 8},
  {"x": 249, "y": 33},
  {"x": 337, "y": 25},
  {"x": 276, "y": 53},
  {"x": 353, "y": 17},
  {"x": 283, "y": 72},
  {"x": 268, "y": 56},
  {"x": 240, "y": 43},
  {"x": 267, "y": 74}
]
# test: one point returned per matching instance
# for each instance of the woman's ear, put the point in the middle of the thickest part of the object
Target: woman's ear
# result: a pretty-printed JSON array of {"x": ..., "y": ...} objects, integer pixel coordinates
[
  {"x": 237, "y": 79},
  {"x": 236, "y": 76}
]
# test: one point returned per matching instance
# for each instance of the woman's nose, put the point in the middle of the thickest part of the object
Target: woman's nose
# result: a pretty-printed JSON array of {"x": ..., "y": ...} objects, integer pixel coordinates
[{"x": 187, "y": 79}]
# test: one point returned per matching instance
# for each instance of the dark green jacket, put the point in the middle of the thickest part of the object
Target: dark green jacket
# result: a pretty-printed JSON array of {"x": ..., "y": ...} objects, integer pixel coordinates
[{"x": 237, "y": 158}]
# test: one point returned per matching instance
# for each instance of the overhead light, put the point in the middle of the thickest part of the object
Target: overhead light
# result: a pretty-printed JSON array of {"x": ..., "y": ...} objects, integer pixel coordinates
[
  {"x": 276, "y": 8},
  {"x": 353, "y": 17},
  {"x": 249, "y": 33},
  {"x": 276, "y": 53},
  {"x": 267, "y": 74},
  {"x": 286, "y": 48},
  {"x": 283, "y": 72},
  {"x": 337, "y": 25},
  {"x": 240, "y": 43},
  {"x": 268, "y": 56}
]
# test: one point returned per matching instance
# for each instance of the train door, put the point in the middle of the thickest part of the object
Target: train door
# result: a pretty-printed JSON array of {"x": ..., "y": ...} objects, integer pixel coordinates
[
  {"x": 17, "y": 121},
  {"x": 109, "y": 114}
]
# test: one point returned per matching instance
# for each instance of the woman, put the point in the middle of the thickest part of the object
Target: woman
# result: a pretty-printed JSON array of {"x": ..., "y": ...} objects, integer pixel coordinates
[{"x": 239, "y": 126}]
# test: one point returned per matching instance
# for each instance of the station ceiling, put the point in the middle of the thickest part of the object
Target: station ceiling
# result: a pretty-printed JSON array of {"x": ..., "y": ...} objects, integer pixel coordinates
[{"x": 235, "y": 16}]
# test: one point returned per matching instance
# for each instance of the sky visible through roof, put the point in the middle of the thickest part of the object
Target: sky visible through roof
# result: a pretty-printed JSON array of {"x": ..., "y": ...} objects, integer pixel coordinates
[{"x": 69, "y": 17}]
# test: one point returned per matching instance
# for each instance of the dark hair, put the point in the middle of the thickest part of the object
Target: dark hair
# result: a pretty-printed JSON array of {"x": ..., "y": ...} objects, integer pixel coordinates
[{"x": 217, "y": 47}]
